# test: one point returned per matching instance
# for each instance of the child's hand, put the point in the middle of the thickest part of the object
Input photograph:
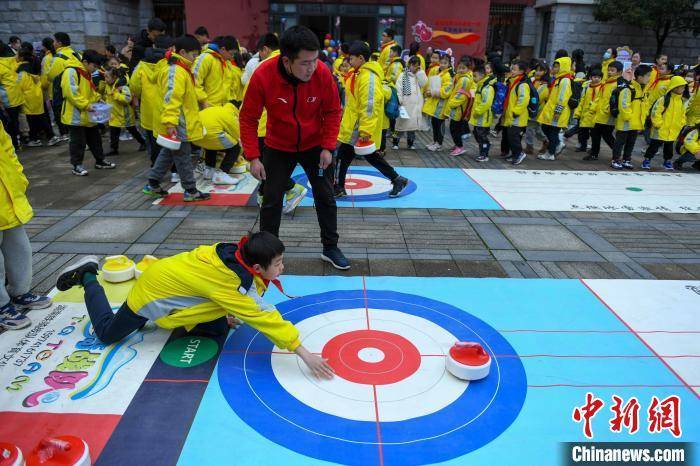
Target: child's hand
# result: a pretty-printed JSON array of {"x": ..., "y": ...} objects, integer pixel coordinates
[{"x": 319, "y": 367}]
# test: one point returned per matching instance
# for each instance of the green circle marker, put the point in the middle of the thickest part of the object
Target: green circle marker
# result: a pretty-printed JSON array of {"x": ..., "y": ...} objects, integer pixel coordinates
[
  {"x": 636, "y": 190},
  {"x": 189, "y": 351}
]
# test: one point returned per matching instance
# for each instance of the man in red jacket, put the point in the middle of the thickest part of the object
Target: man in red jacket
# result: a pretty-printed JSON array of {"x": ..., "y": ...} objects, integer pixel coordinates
[{"x": 303, "y": 119}]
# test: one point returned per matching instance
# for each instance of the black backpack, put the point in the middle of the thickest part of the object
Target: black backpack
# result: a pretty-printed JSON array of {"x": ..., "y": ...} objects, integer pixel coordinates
[
  {"x": 576, "y": 91},
  {"x": 57, "y": 97},
  {"x": 533, "y": 105},
  {"x": 615, "y": 98}
]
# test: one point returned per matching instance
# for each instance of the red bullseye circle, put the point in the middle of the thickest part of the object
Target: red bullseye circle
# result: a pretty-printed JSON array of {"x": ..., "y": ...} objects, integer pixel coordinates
[
  {"x": 357, "y": 183},
  {"x": 400, "y": 358}
]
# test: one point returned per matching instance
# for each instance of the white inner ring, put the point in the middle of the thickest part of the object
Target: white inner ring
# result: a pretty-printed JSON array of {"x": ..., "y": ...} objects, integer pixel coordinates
[{"x": 372, "y": 355}]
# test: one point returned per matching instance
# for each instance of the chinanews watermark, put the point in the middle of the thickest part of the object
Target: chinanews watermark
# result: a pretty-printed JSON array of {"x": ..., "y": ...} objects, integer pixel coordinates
[{"x": 629, "y": 416}]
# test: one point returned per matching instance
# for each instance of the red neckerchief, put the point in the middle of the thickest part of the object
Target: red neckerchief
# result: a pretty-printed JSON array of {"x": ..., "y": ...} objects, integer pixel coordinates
[
  {"x": 511, "y": 86},
  {"x": 388, "y": 44},
  {"x": 87, "y": 77},
  {"x": 186, "y": 68},
  {"x": 218, "y": 56},
  {"x": 352, "y": 81},
  {"x": 430, "y": 67},
  {"x": 250, "y": 270},
  {"x": 594, "y": 88},
  {"x": 556, "y": 80},
  {"x": 659, "y": 79}
]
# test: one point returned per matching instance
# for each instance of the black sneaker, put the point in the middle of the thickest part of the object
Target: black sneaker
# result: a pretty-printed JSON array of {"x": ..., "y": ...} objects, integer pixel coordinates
[
  {"x": 335, "y": 257},
  {"x": 339, "y": 192},
  {"x": 400, "y": 184},
  {"x": 590, "y": 157},
  {"x": 112, "y": 153},
  {"x": 678, "y": 165},
  {"x": 104, "y": 165},
  {"x": 73, "y": 274},
  {"x": 79, "y": 170},
  {"x": 195, "y": 196}
]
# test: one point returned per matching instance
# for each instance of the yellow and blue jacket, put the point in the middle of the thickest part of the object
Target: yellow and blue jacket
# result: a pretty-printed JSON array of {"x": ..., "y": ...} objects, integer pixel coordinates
[
  {"x": 585, "y": 112},
  {"x": 221, "y": 123},
  {"x": 667, "y": 121},
  {"x": 434, "y": 106},
  {"x": 15, "y": 209},
  {"x": 515, "y": 111},
  {"x": 556, "y": 111},
  {"x": 632, "y": 108},
  {"x": 11, "y": 94},
  {"x": 212, "y": 74},
  {"x": 119, "y": 96},
  {"x": 363, "y": 114},
  {"x": 203, "y": 285},
  {"x": 30, "y": 84},
  {"x": 482, "y": 116},
  {"x": 79, "y": 93}
]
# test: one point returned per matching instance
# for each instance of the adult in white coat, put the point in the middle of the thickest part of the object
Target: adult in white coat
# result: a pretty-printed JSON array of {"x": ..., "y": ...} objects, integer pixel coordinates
[{"x": 408, "y": 86}]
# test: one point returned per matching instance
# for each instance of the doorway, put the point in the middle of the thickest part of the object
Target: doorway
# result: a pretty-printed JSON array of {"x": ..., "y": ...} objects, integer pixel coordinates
[
  {"x": 320, "y": 25},
  {"x": 353, "y": 28}
]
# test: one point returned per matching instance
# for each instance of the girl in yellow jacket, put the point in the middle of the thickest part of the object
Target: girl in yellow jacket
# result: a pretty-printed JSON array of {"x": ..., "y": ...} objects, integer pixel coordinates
[
  {"x": 200, "y": 288},
  {"x": 515, "y": 113},
  {"x": 667, "y": 121},
  {"x": 15, "y": 250},
  {"x": 11, "y": 96},
  {"x": 692, "y": 112},
  {"x": 458, "y": 105},
  {"x": 690, "y": 148},
  {"x": 212, "y": 71},
  {"x": 29, "y": 78},
  {"x": 223, "y": 135},
  {"x": 585, "y": 112},
  {"x": 79, "y": 95},
  {"x": 118, "y": 95},
  {"x": 540, "y": 81},
  {"x": 437, "y": 97},
  {"x": 556, "y": 112},
  {"x": 482, "y": 116},
  {"x": 604, "y": 122},
  {"x": 631, "y": 117},
  {"x": 363, "y": 119}
]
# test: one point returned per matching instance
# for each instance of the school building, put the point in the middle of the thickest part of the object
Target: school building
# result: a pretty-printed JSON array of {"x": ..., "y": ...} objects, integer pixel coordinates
[{"x": 525, "y": 27}]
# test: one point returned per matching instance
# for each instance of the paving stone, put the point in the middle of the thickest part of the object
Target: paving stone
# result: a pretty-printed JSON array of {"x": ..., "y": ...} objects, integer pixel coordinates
[
  {"x": 524, "y": 221},
  {"x": 543, "y": 238},
  {"x": 58, "y": 229},
  {"x": 556, "y": 256},
  {"x": 67, "y": 247},
  {"x": 615, "y": 256},
  {"x": 142, "y": 248},
  {"x": 109, "y": 229},
  {"x": 511, "y": 270},
  {"x": 506, "y": 255},
  {"x": 525, "y": 269},
  {"x": 669, "y": 272},
  {"x": 478, "y": 219},
  {"x": 492, "y": 236},
  {"x": 160, "y": 230},
  {"x": 436, "y": 268},
  {"x": 391, "y": 267},
  {"x": 480, "y": 268}
]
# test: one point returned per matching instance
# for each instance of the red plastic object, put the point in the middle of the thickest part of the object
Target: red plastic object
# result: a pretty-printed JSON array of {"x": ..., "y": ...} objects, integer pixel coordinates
[
  {"x": 64, "y": 450},
  {"x": 469, "y": 353}
]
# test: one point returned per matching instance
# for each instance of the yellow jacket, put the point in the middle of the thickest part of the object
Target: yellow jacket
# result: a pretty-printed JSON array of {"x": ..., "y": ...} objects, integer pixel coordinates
[
  {"x": 143, "y": 88},
  {"x": 556, "y": 111},
  {"x": 585, "y": 112},
  {"x": 336, "y": 64},
  {"x": 78, "y": 93},
  {"x": 212, "y": 74},
  {"x": 656, "y": 89},
  {"x": 14, "y": 206},
  {"x": 604, "y": 67},
  {"x": 46, "y": 64},
  {"x": 602, "y": 103},
  {"x": 64, "y": 56},
  {"x": 482, "y": 115},
  {"x": 179, "y": 108},
  {"x": 692, "y": 112},
  {"x": 30, "y": 84},
  {"x": 457, "y": 101},
  {"x": 394, "y": 69},
  {"x": 118, "y": 95},
  {"x": 434, "y": 106},
  {"x": 203, "y": 285},
  {"x": 542, "y": 88},
  {"x": 235, "y": 86},
  {"x": 364, "y": 105},
  {"x": 384, "y": 54},
  {"x": 668, "y": 121},
  {"x": 632, "y": 109},
  {"x": 691, "y": 142},
  {"x": 222, "y": 127},
  {"x": 11, "y": 94},
  {"x": 160, "y": 67},
  {"x": 515, "y": 107}
]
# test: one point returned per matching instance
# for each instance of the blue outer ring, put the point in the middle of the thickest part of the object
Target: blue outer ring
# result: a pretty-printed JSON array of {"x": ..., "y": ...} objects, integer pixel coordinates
[
  {"x": 409, "y": 189},
  {"x": 355, "y": 442}
]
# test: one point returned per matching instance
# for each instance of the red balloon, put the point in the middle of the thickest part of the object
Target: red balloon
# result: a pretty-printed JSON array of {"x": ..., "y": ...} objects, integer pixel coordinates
[{"x": 328, "y": 36}]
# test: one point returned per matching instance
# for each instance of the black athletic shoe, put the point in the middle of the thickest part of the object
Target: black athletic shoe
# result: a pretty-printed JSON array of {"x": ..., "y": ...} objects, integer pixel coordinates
[
  {"x": 334, "y": 256},
  {"x": 339, "y": 192},
  {"x": 400, "y": 184},
  {"x": 590, "y": 157},
  {"x": 73, "y": 274},
  {"x": 112, "y": 153},
  {"x": 103, "y": 164}
]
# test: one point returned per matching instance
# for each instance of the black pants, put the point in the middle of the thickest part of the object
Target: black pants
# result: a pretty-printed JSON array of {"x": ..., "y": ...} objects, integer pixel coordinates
[
  {"x": 39, "y": 124},
  {"x": 279, "y": 166},
  {"x": 654, "y": 147},
  {"x": 410, "y": 137},
  {"x": 13, "y": 124},
  {"x": 115, "y": 131},
  {"x": 81, "y": 135},
  {"x": 481, "y": 134},
  {"x": 606, "y": 133},
  {"x": 346, "y": 155},
  {"x": 111, "y": 328},
  {"x": 583, "y": 135},
  {"x": 512, "y": 140},
  {"x": 261, "y": 188},
  {"x": 552, "y": 133},
  {"x": 624, "y": 144},
  {"x": 62, "y": 129},
  {"x": 457, "y": 130},
  {"x": 438, "y": 128},
  {"x": 230, "y": 157}
]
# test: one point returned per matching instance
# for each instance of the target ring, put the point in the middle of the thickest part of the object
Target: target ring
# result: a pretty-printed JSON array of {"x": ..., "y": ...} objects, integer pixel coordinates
[
  {"x": 339, "y": 420},
  {"x": 362, "y": 185}
]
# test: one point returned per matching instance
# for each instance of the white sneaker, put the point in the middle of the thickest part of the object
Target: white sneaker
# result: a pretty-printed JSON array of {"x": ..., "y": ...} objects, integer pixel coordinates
[
  {"x": 240, "y": 167},
  {"x": 542, "y": 156},
  {"x": 293, "y": 197},
  {"x": 395, "y": 147},
  {"x": 221, "y": 177},
  {"x": 35, "y": 143},
  {"x": 466, "y": 136},
  {"x": 560, "y": 148},
  {"x": 53, "y": 141},
  {"x": 65, "y": 137},
  {"x": 174, "y": 178},
  {"x": 549, "y": 157},
  {"x": 209, "y": 173},
  {"x": 431, "y": 147},
  {"x": 412, "y": 147},
  {"x": 79, "y": 170},
  {"x": 434, "y": 147}
]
